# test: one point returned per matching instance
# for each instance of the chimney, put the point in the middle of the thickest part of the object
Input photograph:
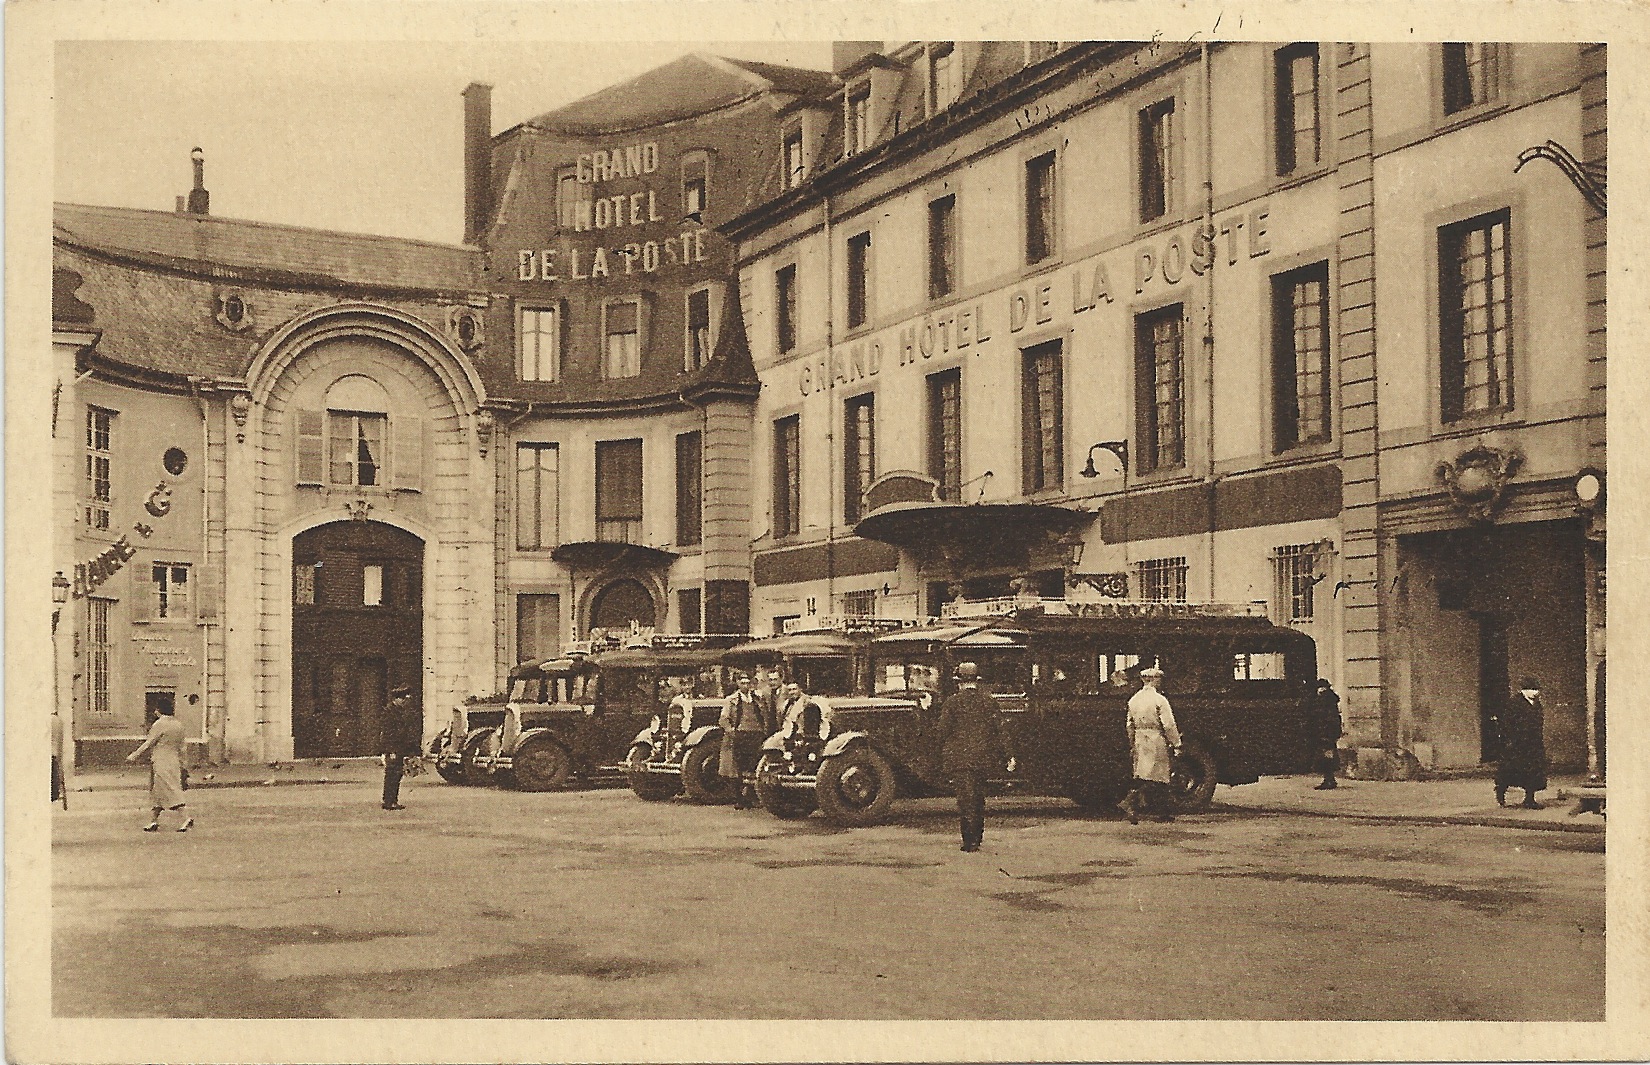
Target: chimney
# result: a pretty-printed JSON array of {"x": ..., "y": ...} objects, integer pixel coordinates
[
  {"x": 845, "y": 54},
  {"x": 478, "y": 159},
  {"x": 199, "y": 199}
]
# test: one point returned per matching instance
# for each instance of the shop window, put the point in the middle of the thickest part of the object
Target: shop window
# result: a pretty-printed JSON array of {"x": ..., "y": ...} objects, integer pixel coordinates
[
  {"x": 1472, "y": 75},
  {"x": 698, "y": 338},
  {"x": 859, "y": 453},
  {"x": 1162, "y": 579},
  {"x": 945, "y": 433},
  {"x": 621, "y": 339},
  {"x": 538, "y": 485},
  {"x": 787, "y": 476},
  {"x": 794, "y": 162},
  {"x": 942, "y": 247},
  {"x": 1160, "y": 399},
  {"x": 1294, "y": 583},
  {"x": 1042, "y": 418},
  {"x": 785, "y": 307},
  {"x": 1298, "y": 133},
  {"x": 944, "y": 76},
  {"x": 860, "y": 604},
  {"x": 857, "y": 132},
  {"x": 538, "y": 627},
  {"x": 689, "y": 489},
  {"x": 1301, "y": 373},
  {"x": 100, "y": 429},
  {"x": 859, "y": 278},
  {"x": 1475, "y": 316},
  {"x": 1159, "y": 160},
  {"x": 689, "y": 611},
  {"x": 539, "y": 344},
  {"x": 99, "y": 650},
  {"x": 619, "y": 491},
  {"x": 1039, "y": 207}
]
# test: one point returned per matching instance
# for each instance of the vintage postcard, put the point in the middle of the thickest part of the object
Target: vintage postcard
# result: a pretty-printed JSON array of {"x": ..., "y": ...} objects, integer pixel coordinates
[{"x": 823, "y": 532}]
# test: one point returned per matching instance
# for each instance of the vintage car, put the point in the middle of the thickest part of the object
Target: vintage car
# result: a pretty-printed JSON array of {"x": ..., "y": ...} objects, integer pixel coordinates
[
  {"x": 542, "y": 735},
  {"x": 1061, "y": 674},
  {"x": 648, "y": 688}
]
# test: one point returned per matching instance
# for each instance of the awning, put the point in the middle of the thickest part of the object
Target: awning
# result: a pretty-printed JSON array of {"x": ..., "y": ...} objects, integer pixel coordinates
[
  {"x": 598, "y": 554},
  {"x": 969, "y": 527}
]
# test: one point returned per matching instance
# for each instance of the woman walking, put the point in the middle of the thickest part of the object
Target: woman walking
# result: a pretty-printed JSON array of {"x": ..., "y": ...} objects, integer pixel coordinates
[{"x": 165, "y": 749}]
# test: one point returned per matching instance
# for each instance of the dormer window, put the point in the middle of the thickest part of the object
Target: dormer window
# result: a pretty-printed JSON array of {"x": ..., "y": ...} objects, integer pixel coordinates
[
  {"x": 944, "y": 76},
  {"x": 795, "y": 165},
  {"x": 857, "y": 129},
  {"x": 695, "y": 185}
]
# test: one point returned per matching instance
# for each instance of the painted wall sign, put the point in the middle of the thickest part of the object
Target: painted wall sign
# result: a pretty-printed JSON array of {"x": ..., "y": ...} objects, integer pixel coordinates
[
  {"x": 633, "y": 160},
  {"x": 89, "y": 575},
  {"x": 569, "y": 263}
]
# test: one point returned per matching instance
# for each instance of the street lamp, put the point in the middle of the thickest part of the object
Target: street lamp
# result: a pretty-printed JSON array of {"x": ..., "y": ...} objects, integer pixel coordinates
[
  {"x": 1120, "y": 448},
  {"x": 60, "y": 595}
]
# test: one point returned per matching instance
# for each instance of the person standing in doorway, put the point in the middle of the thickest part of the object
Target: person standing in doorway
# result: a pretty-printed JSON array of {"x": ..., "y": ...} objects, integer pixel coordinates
[
  {"x": 972, "y": 746},
  {"x": 1326, "y": 721},
  {"x": 398, "y": 737},
  {"x": 1523, "y": 761},
  {"x": 744, "y": 727},
  {"x": 164, "y": 746},
  {"x": 1153, "y": 741}
]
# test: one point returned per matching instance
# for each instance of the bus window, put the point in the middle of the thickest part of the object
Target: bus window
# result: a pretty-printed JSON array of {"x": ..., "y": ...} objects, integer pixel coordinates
[
  {"x": 1002, "y": 672},
  {"x": 824, "y": 676},
  {"x": 1257, "y": 665},
  {"x": 528, "y": 690},
  {"x": 1063, "y": 672}
]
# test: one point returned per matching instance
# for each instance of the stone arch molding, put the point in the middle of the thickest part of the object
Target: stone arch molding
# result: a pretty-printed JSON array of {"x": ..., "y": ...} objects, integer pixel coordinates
[
  {"x": 355, "y": 321},
  {"x": 596, "y": 585}
]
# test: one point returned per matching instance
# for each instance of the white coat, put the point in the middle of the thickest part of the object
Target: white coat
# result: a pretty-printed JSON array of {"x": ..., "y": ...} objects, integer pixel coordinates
[{"x": 1152, "y": 734}]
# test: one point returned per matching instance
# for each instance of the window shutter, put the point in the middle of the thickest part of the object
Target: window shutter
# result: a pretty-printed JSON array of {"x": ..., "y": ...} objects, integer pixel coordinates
[
  {"x": 142, "y": 599},
  {"x": 407, "y": 452},
  {"x": 312, "y": 426},
  {"x": 208, "y": 589}
]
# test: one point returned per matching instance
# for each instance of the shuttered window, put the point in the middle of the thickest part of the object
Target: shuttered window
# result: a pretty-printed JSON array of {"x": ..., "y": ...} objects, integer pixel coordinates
[
  {"x": 1159, "y": 388},
  {"x": 538, "y": 627},
  {"x": 312, "y": 428},
  {"x": 787, "y": 476},
  {"x": 619, "y": 491},
  {"x": 1042, "y": 418},
  {"x": 785, "y": 307},
  {"x": 689, "y": 489},
  {"x": 945, "y": 433},
  {"x": 99, "y": 650},
  {"x": 859, "y": 457}
]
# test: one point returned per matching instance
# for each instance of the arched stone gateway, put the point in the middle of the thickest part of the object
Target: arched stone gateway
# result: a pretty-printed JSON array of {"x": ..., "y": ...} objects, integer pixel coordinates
[
  {"x": 624, "y": 601},
  {"x": 357, "y": 631}
]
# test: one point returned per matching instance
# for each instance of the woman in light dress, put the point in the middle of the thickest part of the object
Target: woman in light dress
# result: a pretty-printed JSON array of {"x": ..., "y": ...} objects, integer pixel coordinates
[{"x": 164, "y": 746}]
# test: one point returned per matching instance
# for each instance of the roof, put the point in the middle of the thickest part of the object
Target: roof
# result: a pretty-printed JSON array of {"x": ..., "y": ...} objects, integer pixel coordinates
[
  {"x": 685, "y": 87},
  {"x": 266, "y": 252}
]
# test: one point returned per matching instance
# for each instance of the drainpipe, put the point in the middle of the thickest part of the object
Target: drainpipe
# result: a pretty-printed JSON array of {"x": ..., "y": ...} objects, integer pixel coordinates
[
  {"x": 1209, "y": 303},
  {"x": 195, "y": 392},
  {"x": 504, "y": 535},
  {"x": 830, "y": 414}
]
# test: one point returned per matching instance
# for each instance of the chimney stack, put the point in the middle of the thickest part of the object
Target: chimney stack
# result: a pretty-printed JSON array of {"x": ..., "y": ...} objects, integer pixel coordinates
[
  {"x": 845, "y": 54},
  {"x": 478, "y": 159},
  {"x": 199, "y": 199}
]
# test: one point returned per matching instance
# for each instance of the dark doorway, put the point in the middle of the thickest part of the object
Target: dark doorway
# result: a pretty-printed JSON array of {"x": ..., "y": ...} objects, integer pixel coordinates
[
  {"x": 1492, "y": 681},
  {"x": 621, "y": 603},
  {"x": 357, "y": 631},
  {"x": 156, "y": 701}
]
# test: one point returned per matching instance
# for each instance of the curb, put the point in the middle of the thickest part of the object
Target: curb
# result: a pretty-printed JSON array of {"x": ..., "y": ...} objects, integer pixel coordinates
[
  {"x": 81, "y": 789},
  {"x": 1484, "y": 820}
]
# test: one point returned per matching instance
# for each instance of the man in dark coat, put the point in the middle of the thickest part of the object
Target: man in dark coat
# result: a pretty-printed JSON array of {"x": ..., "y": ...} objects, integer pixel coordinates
[
  {"x": 1523, "y": 761},
  {"x": 1327, "y": 726},
  {"x": 972, "y": 746},
  {"x": 398, "y": 737}
]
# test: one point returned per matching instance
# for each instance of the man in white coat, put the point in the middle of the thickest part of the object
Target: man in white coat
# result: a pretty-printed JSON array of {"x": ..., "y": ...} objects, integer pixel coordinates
[{"x": 1153, "y": 740}]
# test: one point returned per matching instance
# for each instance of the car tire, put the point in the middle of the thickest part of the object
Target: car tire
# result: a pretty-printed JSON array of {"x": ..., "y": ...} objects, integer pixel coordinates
[
  {"x": 653, "y": 787},
  {"x": 787, "y": 804},
  {"x": 541, "y": 765},
  {"x": 857, "y": 787},
  {"x": 1192, "y": 777},
  {"x": 449, "y": 771},
  {"x": 700, "y": 779},
  {"x": 467, "y": 771}
]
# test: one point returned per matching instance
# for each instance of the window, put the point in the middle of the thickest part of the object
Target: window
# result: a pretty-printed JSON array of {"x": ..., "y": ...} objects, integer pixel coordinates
[
  {"x": 619, "y": 491},
  {"x": 100, "y": 427},
  {"x": 942, "y": 247},
  {"x": 860, "y": 604},
  {"x": 1042, "y": 420},
  {"x": 785, "y": 306},
  {"x": 539, "y": 343},
  {"x": 795, "y": 168},
  {"x": 357, "y": 440},
  {"x": 859, "y": 453},
  {"x": 538, "y": 488},
  {"x": 1300, "y": 356},
  {"x": 1475, "y": 316},
  {"x": 695, "y": 186},
  {"x": 1160, "y": 399},
  {"x": 573, "y": 201},
  {"x": 1299, "y": 136},
  {"x": 698, "y": 328},
  {"x": 1040, "y": 208},
  {"x": 98, "y": 652},
  {"x": 1162, "y": 579},
  {"x": 859, "y": 278},
  {"x": 538, "y": 627},
  {"x": 303, "y": 583},
  {"x": 944, "y": 76},
  {"x": 858, "y": 126},
  {"x": 787, "y": 479},
  {"x": 945, "y": 433},
  {"x": 622, "y": 336},
  {"x": 1157, "y": 160},
  {"x": 170, "y": 582},
  {"x": 372, "y": 585},
  {"x": 689, "y": 489},
  {"x": 689, "y": 613},
  {"x": 1472, "y": 75},
  {"x": 1294, "y": 575}
]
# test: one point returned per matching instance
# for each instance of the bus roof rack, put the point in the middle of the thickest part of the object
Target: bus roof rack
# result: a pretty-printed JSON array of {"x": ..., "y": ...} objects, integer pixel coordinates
[
  {"x": 849, "y": 624},
  {"x": 1010, "y": 606},
  {"x": 648, "y": 640}
]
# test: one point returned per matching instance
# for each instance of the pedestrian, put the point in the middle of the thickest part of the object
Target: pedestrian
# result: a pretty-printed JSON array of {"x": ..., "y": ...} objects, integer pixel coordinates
[
  {"x": 399, "y": 736},
  {"x": 164, "y": 746},
  {"x": 800, "y": 715},
  {"x": 972, "y": 746},
  {"x": 1153, "y": 740},
  {"x": 1523, "y": 761},
  {"x": 744, "y": 726},
  {"x": 1326, "y": 721}
]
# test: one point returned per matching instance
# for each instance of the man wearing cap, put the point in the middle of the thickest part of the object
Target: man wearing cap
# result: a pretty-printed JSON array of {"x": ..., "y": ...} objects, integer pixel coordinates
[
  {"x": 1523, "y": 762},
  {"x": 1153, "y": 740},
  {"x": 399, "y": 736},
  {"x": 972, "y": 746}
]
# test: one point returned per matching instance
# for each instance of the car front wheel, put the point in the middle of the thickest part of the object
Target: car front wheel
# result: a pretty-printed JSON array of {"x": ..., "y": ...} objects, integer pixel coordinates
[
  {"x": 541, "y": 765},
  {"x": 856, "y": 787},
  {"x": 1192, "y": 777},
  {"x": 654, "y": 787},
  {"x": 700, "y": 779},
  {"x": 788, "y": 804}
]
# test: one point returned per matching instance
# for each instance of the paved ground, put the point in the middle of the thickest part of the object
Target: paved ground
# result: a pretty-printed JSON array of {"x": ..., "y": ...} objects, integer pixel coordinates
[{"x": 308, "y": 901}]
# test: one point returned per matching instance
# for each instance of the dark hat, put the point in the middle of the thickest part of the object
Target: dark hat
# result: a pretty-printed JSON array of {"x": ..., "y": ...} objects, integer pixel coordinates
[
  {"x": 967, "y": 670},
  {"x": 1529, "y": 683},
  {"x": 1323, "y": 684},
  {"x": 399, "y": 690}
]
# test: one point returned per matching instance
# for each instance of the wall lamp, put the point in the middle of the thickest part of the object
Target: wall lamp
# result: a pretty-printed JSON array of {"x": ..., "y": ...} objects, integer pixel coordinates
[{"x": 1120, "y": 448}]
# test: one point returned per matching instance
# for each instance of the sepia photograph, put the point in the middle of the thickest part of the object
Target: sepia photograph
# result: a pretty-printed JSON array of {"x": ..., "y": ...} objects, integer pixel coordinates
[{"x": 779, "y": 527}]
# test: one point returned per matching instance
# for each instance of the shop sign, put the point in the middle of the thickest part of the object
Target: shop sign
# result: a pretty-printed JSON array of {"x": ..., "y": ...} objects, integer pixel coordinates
[
  {"x": 162, "y": 655},
  {"x": 89, "y": 575}
]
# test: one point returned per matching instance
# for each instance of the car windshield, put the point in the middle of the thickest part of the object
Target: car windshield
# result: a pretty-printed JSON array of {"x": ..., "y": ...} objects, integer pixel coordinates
[
  {"x": 527, "y": 690},
  {"x": 823, "y": 676}
]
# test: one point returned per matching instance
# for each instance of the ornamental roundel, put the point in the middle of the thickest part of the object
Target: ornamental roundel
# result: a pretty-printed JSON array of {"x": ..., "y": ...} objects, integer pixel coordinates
[
  {"x": 464, "y": 326},
  {"x": 231, "y": 310},
  {"x": 1477, "y": 479}
]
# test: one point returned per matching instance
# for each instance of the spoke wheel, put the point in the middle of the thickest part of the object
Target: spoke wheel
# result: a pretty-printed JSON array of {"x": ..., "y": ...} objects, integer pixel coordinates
[
  {"x": 654, "y": 787},
  {"x": 541, "y": 765},
  {"x": 700, "y": 780},
  {"x": 856, "y": 787},
  {"x": 1192, "y": 778},
  {"x": 789, "y": 804}
]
